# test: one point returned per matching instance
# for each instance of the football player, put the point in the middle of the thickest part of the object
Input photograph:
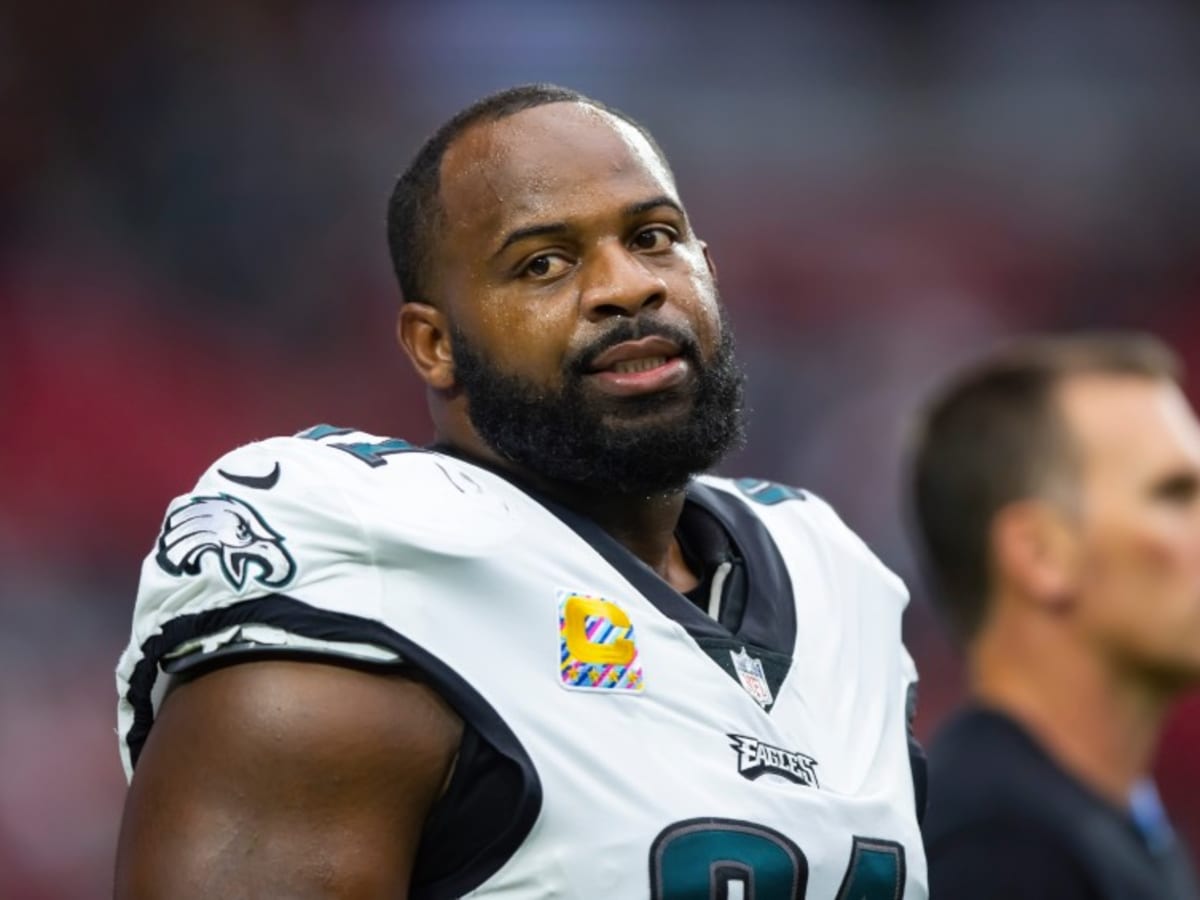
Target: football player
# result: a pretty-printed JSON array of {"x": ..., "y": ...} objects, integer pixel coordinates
[{"x": 545, "y": 656}]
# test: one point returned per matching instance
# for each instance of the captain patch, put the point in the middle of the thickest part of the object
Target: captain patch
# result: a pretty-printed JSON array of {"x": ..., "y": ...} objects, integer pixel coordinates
[{"x": 596, "y": 646}]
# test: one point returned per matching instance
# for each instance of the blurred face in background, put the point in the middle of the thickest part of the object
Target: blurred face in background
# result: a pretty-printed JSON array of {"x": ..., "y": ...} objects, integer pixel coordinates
[{"x": 1137, "y": 444}]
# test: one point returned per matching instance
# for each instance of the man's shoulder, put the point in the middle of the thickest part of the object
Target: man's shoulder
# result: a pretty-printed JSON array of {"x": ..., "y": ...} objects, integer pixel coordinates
[
  {"x": 1001, "y": 858},
  {"x": 320, "y": 457},
  {"x": 346, "y": 478},
  {"x": 997, "y": 805},
  {"x": 996, "y": 798},
  {"x": 986, "y": 771},
  {"x": 334, "y": 453},
  {"x": 782, "y": 507},
  {"x": 306, "y": 512},
  {"x": 802, "y": 520}
]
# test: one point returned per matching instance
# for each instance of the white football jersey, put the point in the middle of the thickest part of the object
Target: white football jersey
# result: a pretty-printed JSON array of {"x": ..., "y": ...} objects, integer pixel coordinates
[{"x": 653, "y": 752}]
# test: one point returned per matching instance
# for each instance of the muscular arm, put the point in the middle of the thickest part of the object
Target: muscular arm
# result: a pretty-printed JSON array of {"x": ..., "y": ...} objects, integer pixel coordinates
[{"x": 285, "y": 779}]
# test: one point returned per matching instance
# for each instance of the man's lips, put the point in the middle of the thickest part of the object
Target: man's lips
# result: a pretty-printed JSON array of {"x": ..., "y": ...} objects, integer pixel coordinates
[
  {"x": 634, "y": 356},
  {"x": 643, "y": 366}
]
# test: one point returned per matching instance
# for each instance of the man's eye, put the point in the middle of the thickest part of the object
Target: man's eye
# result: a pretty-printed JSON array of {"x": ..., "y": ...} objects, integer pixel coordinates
[
  {"x": 657, "y": 238},
  {"x": 545, "y": 266},
  {"x": 1180, "y": 489}
]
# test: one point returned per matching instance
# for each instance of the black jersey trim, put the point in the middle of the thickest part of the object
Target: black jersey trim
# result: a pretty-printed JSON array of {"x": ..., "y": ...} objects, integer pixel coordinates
[
  {"x": 649, "y": 583},
  {"x": 308, "y": 621},
  {"x": 769, "y": 619},
  {"x": 918, "y": 764}
]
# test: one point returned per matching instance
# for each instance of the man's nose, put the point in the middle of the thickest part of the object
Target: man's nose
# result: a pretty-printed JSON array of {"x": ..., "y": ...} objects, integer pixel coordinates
[{"x": 618, "y": 283}]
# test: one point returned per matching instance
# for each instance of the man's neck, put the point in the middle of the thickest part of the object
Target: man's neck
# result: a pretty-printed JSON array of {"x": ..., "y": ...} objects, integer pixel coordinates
[
  {"x": 644, "y": 525},
  {"x": 1096, "y": 722}
]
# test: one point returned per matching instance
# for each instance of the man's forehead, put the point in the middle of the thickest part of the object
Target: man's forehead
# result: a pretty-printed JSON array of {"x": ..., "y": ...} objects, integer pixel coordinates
[
  {"x": 1130, "y": 421},
  {"x": 532, "y": 162}
]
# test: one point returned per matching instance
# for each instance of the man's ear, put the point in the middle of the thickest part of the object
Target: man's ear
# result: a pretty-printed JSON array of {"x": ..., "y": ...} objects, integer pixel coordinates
[
  {"x": 1035, "y": 553},
  {"x": 708, "y": 260},
  {"x": 424, "y": 333}
]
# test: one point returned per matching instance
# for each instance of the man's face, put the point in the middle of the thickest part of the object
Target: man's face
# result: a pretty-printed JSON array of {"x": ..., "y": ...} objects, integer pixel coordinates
[
  {"x": 1139, "y": 529},
  {"x": 588, "y": 336}
]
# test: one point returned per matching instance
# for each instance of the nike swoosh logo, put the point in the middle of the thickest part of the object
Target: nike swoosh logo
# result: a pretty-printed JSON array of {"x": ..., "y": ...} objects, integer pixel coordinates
[{"x": 262, "y": 482}]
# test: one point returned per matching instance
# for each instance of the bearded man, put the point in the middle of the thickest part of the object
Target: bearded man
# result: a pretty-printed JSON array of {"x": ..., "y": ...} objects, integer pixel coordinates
[{"x": 547, "y": 655}]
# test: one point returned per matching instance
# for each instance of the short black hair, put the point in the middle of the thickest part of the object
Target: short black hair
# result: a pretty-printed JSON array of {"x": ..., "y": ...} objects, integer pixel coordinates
[
  {"x": 994, "y": 435},
  {"x": 415, "y": 212}
]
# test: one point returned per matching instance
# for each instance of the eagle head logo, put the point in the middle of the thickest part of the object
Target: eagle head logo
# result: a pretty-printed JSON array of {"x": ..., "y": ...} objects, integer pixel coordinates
[{"x": 233, "y": 532}]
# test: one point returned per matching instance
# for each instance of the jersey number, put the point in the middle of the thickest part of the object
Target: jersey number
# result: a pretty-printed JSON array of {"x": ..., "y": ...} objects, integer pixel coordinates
[
  {"x": 724, "y": 859},
  {"x": 373, "y": 454}
]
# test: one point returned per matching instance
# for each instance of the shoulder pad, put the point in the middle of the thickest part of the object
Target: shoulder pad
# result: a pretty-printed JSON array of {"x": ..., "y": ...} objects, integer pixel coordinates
[{"x": 785, "y": 507}]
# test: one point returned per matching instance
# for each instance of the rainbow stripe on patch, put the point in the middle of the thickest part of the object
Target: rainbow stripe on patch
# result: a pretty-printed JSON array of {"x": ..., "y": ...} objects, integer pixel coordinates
[{"x": 596, "y": 646}]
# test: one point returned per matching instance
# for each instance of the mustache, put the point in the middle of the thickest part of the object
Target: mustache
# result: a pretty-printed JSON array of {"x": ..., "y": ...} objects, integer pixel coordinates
[{"x": 580, "y": 362}]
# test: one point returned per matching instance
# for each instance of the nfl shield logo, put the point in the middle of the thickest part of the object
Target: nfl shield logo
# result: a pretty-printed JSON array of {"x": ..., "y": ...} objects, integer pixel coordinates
[{"x": 750, "y": 673}]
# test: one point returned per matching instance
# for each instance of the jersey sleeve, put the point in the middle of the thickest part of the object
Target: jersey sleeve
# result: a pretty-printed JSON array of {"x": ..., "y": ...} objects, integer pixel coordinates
[{"x": 263, "y": 556}]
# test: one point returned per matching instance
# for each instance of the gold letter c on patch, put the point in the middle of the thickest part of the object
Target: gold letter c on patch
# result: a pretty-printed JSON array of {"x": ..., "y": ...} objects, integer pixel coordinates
[{"x": 619, "y": 653}]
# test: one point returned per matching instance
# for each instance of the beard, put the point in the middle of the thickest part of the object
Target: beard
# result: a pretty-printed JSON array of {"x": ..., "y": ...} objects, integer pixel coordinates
[{"x": 633, "y": 446}]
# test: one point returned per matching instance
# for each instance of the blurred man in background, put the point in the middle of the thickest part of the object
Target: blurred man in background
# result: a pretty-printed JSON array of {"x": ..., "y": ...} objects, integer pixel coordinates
[
  {"x": 1056, "y": 488},
  {"x": 542, "y": 657}
]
